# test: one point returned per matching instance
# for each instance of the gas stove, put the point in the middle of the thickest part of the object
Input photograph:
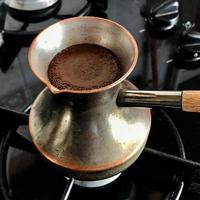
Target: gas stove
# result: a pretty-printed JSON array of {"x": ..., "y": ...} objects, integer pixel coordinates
[{"x": 167, "y": 33}]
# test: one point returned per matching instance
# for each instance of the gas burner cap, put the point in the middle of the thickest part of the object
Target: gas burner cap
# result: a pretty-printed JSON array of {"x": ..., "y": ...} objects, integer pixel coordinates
[
  {"x": 30, "y": 5},
  {"x": 97, "y": 183},
  {"x": 163, "y": 15}
]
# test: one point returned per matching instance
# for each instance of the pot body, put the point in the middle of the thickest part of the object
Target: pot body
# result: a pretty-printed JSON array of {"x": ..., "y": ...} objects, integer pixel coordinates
[
  {"x": 88, "y": 136},
  {"x": 84, "y": 132}
]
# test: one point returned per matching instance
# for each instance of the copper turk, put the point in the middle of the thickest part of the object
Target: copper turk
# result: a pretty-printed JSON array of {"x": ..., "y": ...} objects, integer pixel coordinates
[{"x": 92, "y": 134}]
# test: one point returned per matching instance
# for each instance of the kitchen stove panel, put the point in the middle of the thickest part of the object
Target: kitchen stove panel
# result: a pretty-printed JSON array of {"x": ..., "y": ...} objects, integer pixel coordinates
[{"x": 158, "y": 67}]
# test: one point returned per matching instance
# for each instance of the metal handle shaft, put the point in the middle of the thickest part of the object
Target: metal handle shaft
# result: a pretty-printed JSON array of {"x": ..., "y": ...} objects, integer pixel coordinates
[{"x": 140, "y": 98}]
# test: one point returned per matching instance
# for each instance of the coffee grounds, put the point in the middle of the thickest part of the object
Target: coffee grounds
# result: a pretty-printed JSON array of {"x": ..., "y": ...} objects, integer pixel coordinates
[{"x": 84, "y": 67}]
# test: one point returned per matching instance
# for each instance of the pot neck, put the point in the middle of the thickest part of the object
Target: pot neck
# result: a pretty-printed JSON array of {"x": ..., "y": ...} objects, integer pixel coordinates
[{"x": 87, "y": 101}]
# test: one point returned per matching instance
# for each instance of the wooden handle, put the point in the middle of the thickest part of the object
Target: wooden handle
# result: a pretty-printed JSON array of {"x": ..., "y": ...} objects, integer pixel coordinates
[{"x": 191, "y": 101}]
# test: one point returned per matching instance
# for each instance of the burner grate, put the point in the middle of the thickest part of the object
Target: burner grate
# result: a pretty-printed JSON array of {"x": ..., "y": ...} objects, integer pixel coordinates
[{"x": 12, "y": 138}]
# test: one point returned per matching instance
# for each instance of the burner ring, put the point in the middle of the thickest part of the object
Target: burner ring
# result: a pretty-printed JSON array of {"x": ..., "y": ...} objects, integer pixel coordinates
[{"x": 30, "y": 5}]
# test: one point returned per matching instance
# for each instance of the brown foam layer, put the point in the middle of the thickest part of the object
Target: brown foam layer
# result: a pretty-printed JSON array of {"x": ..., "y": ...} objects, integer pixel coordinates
[{"x": 84, "y": 66}]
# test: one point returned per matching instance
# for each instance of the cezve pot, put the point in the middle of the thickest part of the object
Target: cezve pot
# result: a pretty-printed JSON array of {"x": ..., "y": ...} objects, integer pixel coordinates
[{"x": 93, "y": 134}]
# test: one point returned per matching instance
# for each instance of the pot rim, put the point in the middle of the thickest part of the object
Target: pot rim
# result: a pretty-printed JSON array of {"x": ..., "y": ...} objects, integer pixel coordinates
[{"x": 89, "y": 91}]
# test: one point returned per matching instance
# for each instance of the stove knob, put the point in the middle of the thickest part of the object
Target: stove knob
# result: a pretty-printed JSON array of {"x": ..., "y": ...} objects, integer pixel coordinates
[
  {"x": 163, "y": 15},
  {"x": 188, "y": 49}
]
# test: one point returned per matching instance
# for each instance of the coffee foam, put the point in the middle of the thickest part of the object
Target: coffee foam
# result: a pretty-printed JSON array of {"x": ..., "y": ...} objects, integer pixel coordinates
[{"x": 84, "y": 67}]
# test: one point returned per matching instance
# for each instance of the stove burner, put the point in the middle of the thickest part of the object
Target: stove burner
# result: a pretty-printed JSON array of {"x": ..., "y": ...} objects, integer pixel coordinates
[
  {"x": 99, "y": 183},
  {"x": 34, "y": 16},
  {"x": 30, "y": 5},
  {"x": 59, "y": 10},
  {"x": 20, "y": 163}
]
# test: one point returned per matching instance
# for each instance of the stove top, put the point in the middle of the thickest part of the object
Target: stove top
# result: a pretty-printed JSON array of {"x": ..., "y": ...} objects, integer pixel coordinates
[
  {"x": 167, "y": 33},
  {"x": 162, "y": 179}
]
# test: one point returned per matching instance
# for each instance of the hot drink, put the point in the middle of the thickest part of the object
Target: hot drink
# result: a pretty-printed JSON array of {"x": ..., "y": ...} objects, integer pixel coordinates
[{"x": 84, "y": 67}]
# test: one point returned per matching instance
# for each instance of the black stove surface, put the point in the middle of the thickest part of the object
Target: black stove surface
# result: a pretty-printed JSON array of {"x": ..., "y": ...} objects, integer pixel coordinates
[
  {"x": 35, "y": 179},
  {"x": 161, "y": 29}
]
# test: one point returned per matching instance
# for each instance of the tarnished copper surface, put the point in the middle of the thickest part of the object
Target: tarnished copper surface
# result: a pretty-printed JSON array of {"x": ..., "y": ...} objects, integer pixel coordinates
[{"x": 89, "y": 136}]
